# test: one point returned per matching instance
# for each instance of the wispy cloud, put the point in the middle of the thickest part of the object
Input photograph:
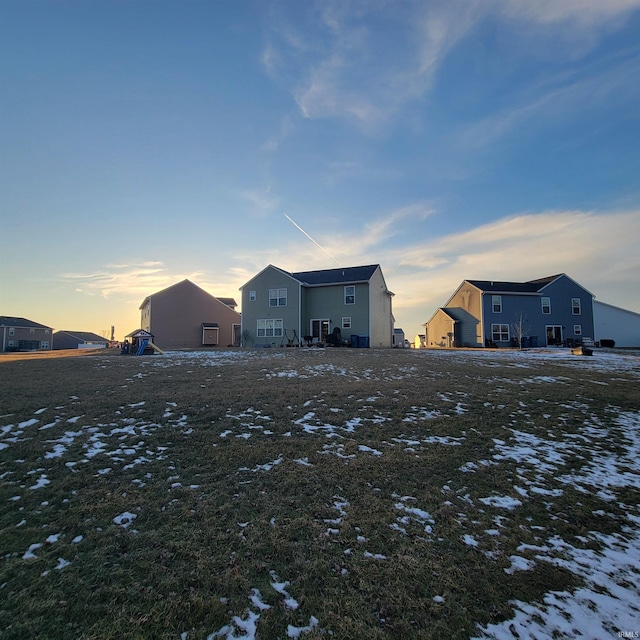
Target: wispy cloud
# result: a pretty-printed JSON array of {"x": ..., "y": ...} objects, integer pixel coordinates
[
  {"x": 344, "y": 73},
  {"x": 131, "y": 280},
  {"x": 262, "y": 201}
]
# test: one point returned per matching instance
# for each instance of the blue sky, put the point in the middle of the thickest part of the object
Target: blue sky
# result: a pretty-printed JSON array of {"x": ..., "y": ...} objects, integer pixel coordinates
[{"x": 144, "y": 142}]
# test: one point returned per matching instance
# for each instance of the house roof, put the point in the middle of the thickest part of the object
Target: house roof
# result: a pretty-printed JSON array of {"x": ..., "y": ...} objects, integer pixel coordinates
[
  {"x": 83, "y": 336},
  {"x": 336, "y": 276},
  {"x": 230, "y": 302},
  {"x": 533, "y": 286},
  {"x": 23, "y": 323}
]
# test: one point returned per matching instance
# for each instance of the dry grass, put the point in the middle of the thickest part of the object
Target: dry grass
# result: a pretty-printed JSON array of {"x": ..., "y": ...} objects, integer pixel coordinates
[{"x": 355, "y": 476}]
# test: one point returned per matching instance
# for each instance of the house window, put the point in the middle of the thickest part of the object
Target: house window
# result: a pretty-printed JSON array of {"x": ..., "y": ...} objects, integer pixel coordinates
[
  {"x": 277, "y": 297},
  {"x": 496, "y": 304},
  {"x": 350, "y": 295},
  {"x": 12, "y": 331},
  {"x": 575, "y": 306},
  {"x": 32, "y": 330},
  {"x": 44, "y": 344},
  {"x": 500, "y": 332},
  {"x": 11, "y": 343},
  {"x": 270, "y": 328},
  {"x": 252, "y": 296},
  {"x": 577, "y": 329},
  {"x": 346, "y": 322},
  {"x": 546, "y": 306}
]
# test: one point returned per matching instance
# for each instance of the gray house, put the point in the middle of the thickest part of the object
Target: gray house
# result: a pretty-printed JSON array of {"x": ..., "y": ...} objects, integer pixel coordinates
[
  {"x": 79, "y": 340},
  {"x": 554, "y": 310},
  {"x": 20, "y": 334},
  {"x": 351, "y": 304}
]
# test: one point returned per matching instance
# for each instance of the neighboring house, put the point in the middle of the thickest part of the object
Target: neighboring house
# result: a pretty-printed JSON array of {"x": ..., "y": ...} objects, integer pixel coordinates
[
  {"x": 419, "y": 341},
  {"x": 282, "y": 308},
  {"x": 20, "y": 334},
  {"x": 613, "y": 323},
  {"x": 79, "y": 340},
  {"x": 398, "y": 338},
  {"x": 184, "y": 316},
  {"x": 550, "y": 311}
]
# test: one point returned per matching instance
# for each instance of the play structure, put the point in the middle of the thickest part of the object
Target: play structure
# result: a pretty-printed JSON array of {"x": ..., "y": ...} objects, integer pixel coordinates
[{"x": 138, "y": 343}]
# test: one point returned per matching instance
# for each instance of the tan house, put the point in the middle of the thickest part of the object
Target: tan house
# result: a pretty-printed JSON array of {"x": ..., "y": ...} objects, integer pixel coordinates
[
  {"x": 184, "y": 316},
  {"x": 20, "y": 334}
]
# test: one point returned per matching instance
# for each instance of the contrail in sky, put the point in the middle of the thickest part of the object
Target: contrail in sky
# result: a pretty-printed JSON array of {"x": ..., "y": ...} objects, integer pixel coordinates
[{"x": 297, "y": 226}]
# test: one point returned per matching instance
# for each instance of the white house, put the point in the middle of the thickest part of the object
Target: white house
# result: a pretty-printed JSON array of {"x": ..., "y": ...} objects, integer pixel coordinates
[{"x": 614, "y": 323}]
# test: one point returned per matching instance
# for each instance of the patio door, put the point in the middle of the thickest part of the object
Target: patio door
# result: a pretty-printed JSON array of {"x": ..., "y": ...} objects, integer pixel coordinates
[
  {"x": 319, "y": 329},
  {"x": 554, "y": 335}
]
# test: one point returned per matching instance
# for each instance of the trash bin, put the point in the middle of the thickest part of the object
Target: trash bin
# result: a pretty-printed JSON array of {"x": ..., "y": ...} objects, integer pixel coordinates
[
  {"x": 354, "y": 340},
  {"x": 533, "y": 341},
  {"x": 363, "y": 342},
  {"x": 526, "y": 342}
]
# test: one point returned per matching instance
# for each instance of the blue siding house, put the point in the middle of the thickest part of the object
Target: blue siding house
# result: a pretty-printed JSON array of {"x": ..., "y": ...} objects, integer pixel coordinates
[{"x": 549, "y": 311}]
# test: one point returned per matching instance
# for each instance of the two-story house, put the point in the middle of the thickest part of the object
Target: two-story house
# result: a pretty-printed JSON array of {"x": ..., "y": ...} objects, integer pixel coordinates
[
  {"x": 20, "y": 334},
  {"x": 184, "y": 316},
  {"x": 306, "y": 307},
  {"x": 549, "y": 311}
]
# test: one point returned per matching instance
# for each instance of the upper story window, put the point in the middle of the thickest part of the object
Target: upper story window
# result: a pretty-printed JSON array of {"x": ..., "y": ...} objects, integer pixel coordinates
[
  {"x": 350, "y": 295},
  {"x": 12, "y": 331},
  {"x": 546, "y": 305},
  {"x": 252, "y": 296},
  {"x": 32, "y": 330},
  {"x": 496, "y": 304},
  {"x": 576, "y": 309},
  {"x": 277, "y": 297}
]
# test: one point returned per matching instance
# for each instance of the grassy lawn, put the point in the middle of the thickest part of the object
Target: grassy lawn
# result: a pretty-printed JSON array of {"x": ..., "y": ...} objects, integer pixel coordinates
[{"x": 339, "y": 493}]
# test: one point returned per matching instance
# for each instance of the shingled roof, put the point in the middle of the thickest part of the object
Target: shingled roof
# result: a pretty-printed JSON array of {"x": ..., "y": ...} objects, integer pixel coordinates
[
  {"x": 532, "y": 286},
  {"x": 23, "y": 323},
  {"x": 336, "y": 276}
]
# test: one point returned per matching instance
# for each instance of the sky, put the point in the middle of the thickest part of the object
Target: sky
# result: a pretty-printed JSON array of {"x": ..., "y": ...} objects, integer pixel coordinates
[{"x": 144, "y": 142}]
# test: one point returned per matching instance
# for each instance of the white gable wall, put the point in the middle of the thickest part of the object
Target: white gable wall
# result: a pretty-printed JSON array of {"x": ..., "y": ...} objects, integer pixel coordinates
[{"x": 617, "y": 324}]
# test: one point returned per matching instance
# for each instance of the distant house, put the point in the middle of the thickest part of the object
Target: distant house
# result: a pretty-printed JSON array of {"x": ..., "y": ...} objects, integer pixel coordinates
[
  {"x": 613, "y": 323},
  {"x": 20, "y": 334},
  {"x": 550, "y": 311},
  {"x": 398, "y": 338},
  {"x": 419, "y": 341},
  {"x": 78, "y": 340},
  {"x": 184, "y": 316},
  {"x": 307, "y": 307}
]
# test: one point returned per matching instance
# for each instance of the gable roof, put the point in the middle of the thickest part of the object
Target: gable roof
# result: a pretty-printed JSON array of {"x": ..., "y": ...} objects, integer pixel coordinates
[
  {"x": 83, "y": 336},
  {"x": 532, "y": 286},
  {"x": 228, "y": 302},
  {"x": 23, "y": 323},
  {"x": 336, "y": 276}
]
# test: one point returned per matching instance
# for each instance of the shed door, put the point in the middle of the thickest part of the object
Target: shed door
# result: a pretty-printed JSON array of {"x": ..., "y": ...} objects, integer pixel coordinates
[{"x": 210, "y": 335}]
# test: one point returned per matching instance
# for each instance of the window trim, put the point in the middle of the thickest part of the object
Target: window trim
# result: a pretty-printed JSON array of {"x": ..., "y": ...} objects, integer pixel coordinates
[
  {"x": 577, "y": 329},
  {"x": 576, "y": 307},
  {"x": 496, "y": 304},
  {"x": 278, "y": 297},
  {"x": 350, "y": 298},
  {"x": 545, "y": 306},
  {"x": 502, "y": 331},
  {"x": 346, "y": 322},
  {"x": 276, "y": 328},
  {"x": 252, "y": 296}
]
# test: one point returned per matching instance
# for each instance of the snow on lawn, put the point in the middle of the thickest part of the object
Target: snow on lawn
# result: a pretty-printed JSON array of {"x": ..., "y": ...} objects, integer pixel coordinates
[{"x": 608, "y": 601}]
